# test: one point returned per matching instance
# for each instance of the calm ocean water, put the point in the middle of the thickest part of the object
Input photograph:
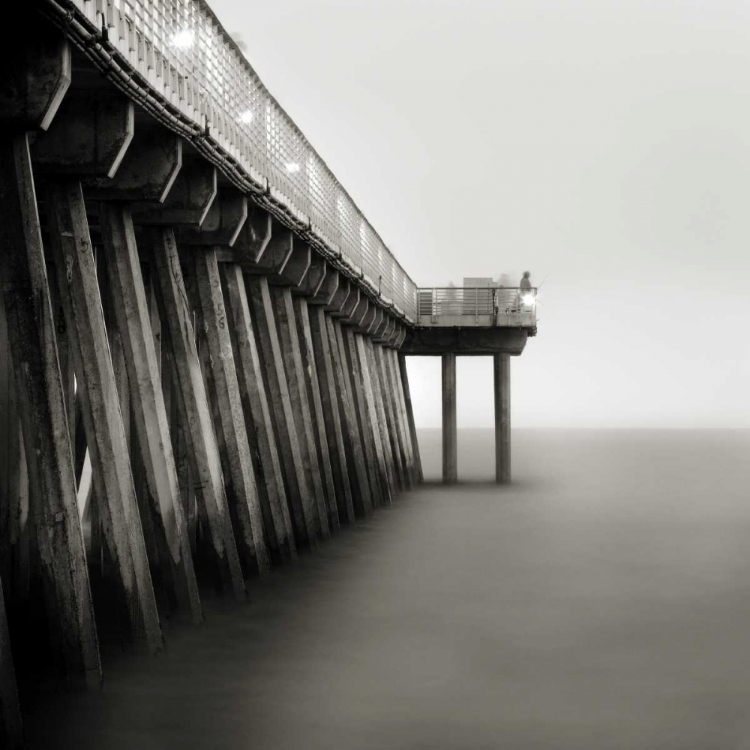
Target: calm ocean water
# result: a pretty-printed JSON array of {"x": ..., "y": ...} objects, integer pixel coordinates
[{"x": 602, "y": 601}]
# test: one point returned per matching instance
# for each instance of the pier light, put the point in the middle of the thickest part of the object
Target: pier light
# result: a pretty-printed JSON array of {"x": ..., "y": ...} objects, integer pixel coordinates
[
  {"x": 183, "y": 39},
  {"x": 528, "y": 300},
  {"x": 292, "y": 167},
  {"x": 246, "y": 117}
]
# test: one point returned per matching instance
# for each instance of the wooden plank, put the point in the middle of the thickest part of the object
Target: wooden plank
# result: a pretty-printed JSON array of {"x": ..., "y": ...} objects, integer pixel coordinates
[
  {"x": 161, "y": 494},
  {"x": 242, "y": 494},
  {"x": 332, "y": 416},
  {"x": 374, "y": 417},
  {"x": 290, "y": 352},
  {"x": 269, "y": 348},
  {"x": 359, "y": 481},
  {"x": 257, "y": 414},
  {"x": 406, "y": 392},
  {"x": 103, "y": 420},
  {"x": 41, "y": 405},
  {"x": 349, "y": 355},
  {"x": 310, "y": 372},
  {"x": 11, "y": 728},
  {"x": 196, "y": 417}
]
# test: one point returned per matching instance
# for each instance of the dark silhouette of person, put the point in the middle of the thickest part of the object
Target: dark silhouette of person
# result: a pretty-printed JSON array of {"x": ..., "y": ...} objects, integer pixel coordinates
[{"x": 525, "y": 285}]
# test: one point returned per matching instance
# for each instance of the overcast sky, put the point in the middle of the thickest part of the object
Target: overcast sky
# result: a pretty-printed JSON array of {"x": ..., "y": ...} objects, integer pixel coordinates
[{"x": 602, "y": 144}]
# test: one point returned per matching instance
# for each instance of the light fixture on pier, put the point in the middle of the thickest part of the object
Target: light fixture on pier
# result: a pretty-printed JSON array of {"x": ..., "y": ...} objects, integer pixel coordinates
[
  {"x": 528, "y": 300},
  {"x": 292, "y": 167},
  {"x": 246, "y": 117},
  {"x": 183, "y": 39}
]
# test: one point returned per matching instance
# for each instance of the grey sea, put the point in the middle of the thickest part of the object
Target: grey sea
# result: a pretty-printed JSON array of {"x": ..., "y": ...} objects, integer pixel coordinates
[{"x": 601, "y": 601}]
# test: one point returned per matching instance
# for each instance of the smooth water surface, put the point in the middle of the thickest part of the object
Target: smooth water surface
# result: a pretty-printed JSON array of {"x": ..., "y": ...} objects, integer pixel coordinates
[{"x": 602, "y": 601}]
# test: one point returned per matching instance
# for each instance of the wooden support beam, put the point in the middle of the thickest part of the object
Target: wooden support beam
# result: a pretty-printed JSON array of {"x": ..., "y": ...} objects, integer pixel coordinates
[
  {"x": 390, "y": 362},
  {"x": 501, "y": 370},
  {"x": 90, "y": 135},
  {"x": 291, "y": 353},
  {"x": 223, "y": 223},
  {"x": 260, "y": 433},
  {"x": 188, "y": 201},
  {"x": 103, "y": 421},
  {"x": 196, "y": 417},
  {"x": 162, "y": 496},
  {"x": 11, "y": 728},
  {"x": 299, "y": 492},
  {"x": 147, "y": 171},
  {"x": 375, "y": 404},
  {"x": 386, "y": 396},
  {"x": 41, "y": 405},
  {"x": 35, "y": 60},
  {"x": 356, "y": 387},
  {"x": 359, "y": 480},
  {"x": 312, "y": 384},
  {"x": 332, "y": 417},
  {"x": 450, "y": 444},
  {"x": 406, "y": 393},
  {"x": 242, "y": 493}
]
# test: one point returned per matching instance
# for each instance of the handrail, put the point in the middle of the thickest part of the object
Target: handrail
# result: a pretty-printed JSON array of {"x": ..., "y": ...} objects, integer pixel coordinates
[
  {"x": 477, "y": 306},
  {"x": 178, "y": 54}
]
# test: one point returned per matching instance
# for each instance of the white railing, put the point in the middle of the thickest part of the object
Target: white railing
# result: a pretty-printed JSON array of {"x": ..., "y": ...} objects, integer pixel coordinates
[
  {"x": 477, "y": 307},
  {"x": 182, "y": 53}
]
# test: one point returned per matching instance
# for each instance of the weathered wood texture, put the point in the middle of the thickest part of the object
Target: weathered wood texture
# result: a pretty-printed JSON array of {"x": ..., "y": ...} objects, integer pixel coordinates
[
  {"x": 501, "y": 370},
  {"x": 332, "y": 417},
  {"x": 205, "y": 463},
  {"x": 299, "y": 492},
  {"x": 11, "y": 728},
  {"x": 103, "y": 421},
  {"x": 263, "y": 447},
  {"x": 41, "y": 405},
  {"x": 450, "y": 437},
  {"x": 244, "y": 503},
  {"x": 161, "y": 493},
  {"x": 312, "y": 383},
  {"x": 292, "y": 358},
  {"x": 406, "y": 392},
  {"x": 359, "y": 482}
]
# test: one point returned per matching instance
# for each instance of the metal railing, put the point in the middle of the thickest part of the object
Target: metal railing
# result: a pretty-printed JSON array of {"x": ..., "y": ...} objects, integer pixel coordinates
[
  {"x": 179, "y": 50},
  {"x": 477, "y": 307}
]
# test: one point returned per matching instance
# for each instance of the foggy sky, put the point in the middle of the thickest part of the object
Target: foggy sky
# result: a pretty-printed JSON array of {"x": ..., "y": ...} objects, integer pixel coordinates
[{"x": 602, "y": 144}]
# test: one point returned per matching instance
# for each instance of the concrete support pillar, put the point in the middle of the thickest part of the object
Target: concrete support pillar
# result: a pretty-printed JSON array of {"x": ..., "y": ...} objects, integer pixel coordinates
[
  {"x": 29, "y": 324},
  {"x": 286, "y": 324},
  {"x": 501, "y": 368},
  {"x": 390, "y": 361},
  {"x": 299, "y": 492},
  {"x": 450, "y": 438},
  {"x": 333, "y": 418},
  {"x": 263, "y": 447},
  {"x": 242, "y": 494},
  {"x": 406, "y": 393},
  {"x": 161, "y": 493},
  {"x": 386, "y": 394},
  {"x": 195, "y": 416},
  {"x": 310, "y": 368},
  {"x": 103, "y": 419},
  {"x": 359, "y": 480}
]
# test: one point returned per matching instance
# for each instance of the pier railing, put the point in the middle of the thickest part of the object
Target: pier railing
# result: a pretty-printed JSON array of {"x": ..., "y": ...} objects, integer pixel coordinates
[
  {"x": 176, "y": 53},
  {"x": 477, "y": 307}
]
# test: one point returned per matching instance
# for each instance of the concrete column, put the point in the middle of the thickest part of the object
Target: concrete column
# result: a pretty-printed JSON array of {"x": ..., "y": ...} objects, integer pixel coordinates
[
  {"x": 386, "y": 392},
  {"x": 502, "y": 417},
  {"x": 11, "y": 732},
  {"x": 412, "y": 436},
  {"x": 450, "y": 438},
  {"x": 390, "y": 359}
]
